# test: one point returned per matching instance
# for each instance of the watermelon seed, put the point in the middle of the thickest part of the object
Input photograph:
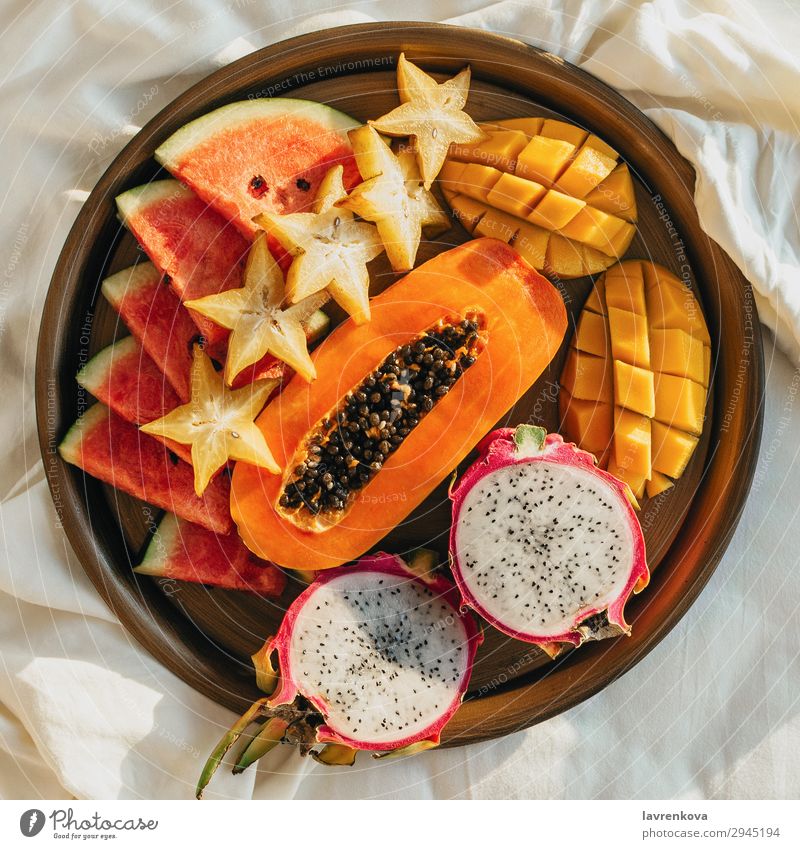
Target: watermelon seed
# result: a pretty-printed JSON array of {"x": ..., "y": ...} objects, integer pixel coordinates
[
  {"x": 258, "y": 186},
  {"x": 303, "y": 185},
  {"x": 234, "y": 434},
  {"x": 173, "y": 458},
  {"x": 199, "y": 339}
]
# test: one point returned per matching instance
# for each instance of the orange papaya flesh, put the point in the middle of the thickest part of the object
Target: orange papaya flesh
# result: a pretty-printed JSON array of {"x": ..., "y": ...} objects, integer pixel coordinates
[{"x": 524, "y": 325}]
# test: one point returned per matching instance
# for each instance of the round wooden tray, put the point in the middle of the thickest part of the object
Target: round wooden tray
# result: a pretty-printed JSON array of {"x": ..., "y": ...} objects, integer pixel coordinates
[{"x": 206, "y": 636}]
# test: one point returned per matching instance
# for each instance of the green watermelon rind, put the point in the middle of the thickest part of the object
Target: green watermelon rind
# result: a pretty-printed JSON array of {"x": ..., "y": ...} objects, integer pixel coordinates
[
  {"x": 116, "y": 286},
  {"x": 156, "y": 561},
  {"x": 173, "y": 150},
  {"x": 70, "y": 447},
  {"x": 94, "y": 373},
  {"x": 132, "y": 202}
]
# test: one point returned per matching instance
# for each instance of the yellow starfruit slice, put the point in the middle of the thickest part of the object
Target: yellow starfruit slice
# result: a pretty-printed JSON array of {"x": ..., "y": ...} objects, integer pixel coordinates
[
  {"x": 258, "y": 323},
  {"x": 218, "y": 423},
  {"x": 432, "y": 113},
  {"x": 393, "y": 197},
  {"x": 331, "y": 249}
]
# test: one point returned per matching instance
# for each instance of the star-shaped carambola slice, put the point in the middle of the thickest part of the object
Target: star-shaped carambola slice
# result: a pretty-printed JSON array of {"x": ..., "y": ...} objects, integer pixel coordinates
[
  {"x": 393, "y": 197},
  {"x": 218, "y": 423},
  {"x": 330, "y": 249},
  {"x": 256, "y": 319},
  {"x": 432, "y": 113}
]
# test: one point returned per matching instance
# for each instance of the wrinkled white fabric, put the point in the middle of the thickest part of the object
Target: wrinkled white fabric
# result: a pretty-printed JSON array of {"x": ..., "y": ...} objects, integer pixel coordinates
[{"x": 713, "y": 711}]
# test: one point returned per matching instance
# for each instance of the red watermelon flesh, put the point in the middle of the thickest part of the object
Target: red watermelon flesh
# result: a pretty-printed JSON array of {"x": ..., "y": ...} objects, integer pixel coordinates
[
  {"x": 125, "y": 379},
  {"x": 200, "y": 251},
  {"x": 117, "y": 453},
  {"x": 263, "y": 154},
  {"x": 154, "y": 315},
  {"x": 183, "y": 551}
]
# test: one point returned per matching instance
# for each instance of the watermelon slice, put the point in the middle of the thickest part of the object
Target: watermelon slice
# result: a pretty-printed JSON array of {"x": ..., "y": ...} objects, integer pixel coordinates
[
  {"x": 155, "y": 316},
  {"x": 200, "y": 251},
  {"x": 261, "y": 155},
  {"x": 113, "y": 450},
  {"x": 125, "y": 379},
  {"x": 188, "y": 552}
]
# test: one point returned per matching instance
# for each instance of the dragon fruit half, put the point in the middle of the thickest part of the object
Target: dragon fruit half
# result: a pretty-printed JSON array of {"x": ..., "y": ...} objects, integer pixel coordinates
[
  {"x": 370, "y": 657},
  {"x": 543, "y": 544}
]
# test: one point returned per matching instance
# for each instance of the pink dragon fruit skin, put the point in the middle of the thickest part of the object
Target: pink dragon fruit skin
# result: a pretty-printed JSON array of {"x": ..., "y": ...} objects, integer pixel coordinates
[
  {"x": 440, "y": 592},
  {"x": 486, "y": 586}
]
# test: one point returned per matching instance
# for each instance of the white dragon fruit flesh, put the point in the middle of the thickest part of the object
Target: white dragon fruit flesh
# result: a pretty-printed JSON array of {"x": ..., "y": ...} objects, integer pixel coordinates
[
  {"x": 544, "y": 545},
  {"x": 369, "y": 657}
]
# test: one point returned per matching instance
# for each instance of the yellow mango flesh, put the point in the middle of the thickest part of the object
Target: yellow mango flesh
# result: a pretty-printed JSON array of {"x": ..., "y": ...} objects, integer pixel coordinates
[
  {"x": 659, "y": 375},
  {"x": 674, "y": 351},
  {"x": 531, "y": 244},
  {"x": 587, "y": 378},
  {"x": 591, "y": 335},
  {"x": 680, "y": 403},
  {"x": 476, "y": 180},
  {"x": 657, "y": 484},
  {"x": 671, "y": 449},
  {"x": 553, "y": 129},
  {"x": 615, "y": 195},
  {"x": 543, "y": 159},
  {"x": 540, "y": 171},
  {"x": 634, "y": 388},
  {"x": 589, "y": 424},
  {"x": 564, "y": 258},
  {"x": 629, "y": 341},
  {"x": 670, "y": 306},
  {"x": 586, "y": 171},
  {"x": 555, "y": 211},
  {"x": 625, "y": 289},
  {"x": 632, "y": 442},
  {"x": 514, "y": 195},
  {"x": 497, "y": 225},
  {"x": 634, "y": 480},
  {"x": 467, "y": 210}
]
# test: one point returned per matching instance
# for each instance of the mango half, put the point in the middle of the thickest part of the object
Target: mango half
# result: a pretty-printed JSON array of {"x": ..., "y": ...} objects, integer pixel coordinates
[
  {"x": 557, "y": 194},
  {"x": 635, "y": 384}
]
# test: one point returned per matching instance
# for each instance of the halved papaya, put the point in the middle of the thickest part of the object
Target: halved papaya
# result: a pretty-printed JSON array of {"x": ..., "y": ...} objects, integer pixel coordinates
[{"x": 448, "y": 351}]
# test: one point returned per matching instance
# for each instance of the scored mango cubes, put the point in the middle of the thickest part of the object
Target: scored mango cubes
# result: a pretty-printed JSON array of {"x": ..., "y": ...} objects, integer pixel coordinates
[
  {"x": 680, "y": 402},
  {"x": 634, "y": 388},
  {"x": 671, "y": 449},
  {"x": 587, "y": 377},
  {"x": 632, "y": 442},
  {"x": 542, "y": 171},
  {"x": 591, "y": 334},
  {"x": 659, "y": 375},
  {"x": 629, "y": 340}
]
